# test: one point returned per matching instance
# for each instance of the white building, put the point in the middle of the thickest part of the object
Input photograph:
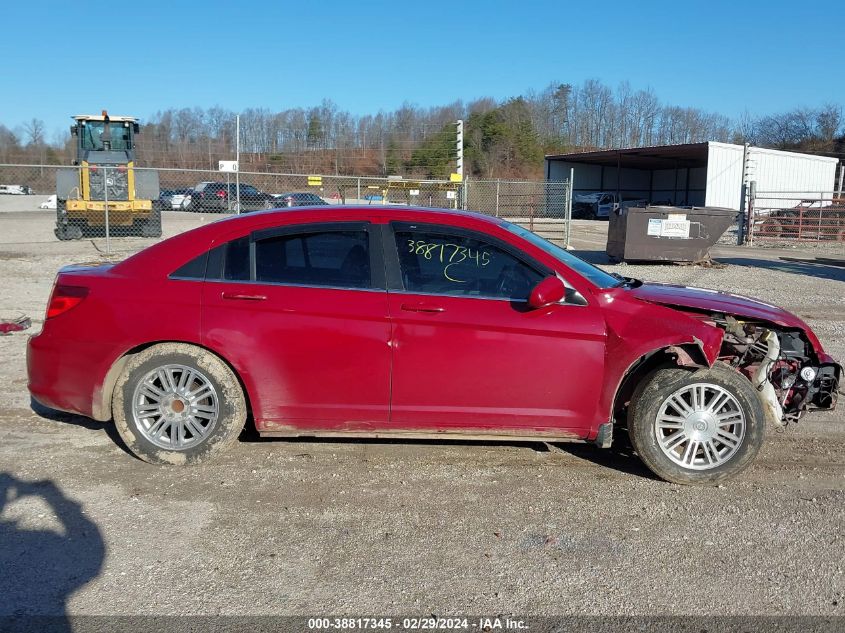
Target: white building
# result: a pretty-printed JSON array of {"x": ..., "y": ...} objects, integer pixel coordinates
[{"x": 697, "y": 174}]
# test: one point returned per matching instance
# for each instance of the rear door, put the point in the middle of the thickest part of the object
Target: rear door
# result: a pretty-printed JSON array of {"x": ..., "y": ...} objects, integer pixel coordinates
[
  {"x": 468, "y": 354},
  {"x": 302, "y": 312}
]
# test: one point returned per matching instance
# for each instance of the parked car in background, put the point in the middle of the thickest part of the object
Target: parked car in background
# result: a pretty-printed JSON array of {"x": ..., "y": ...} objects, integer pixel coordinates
[
  {"x": 220, "y": 196},
  {"x": 15, "y": 190},
  {"x": 173, "y": 198},
  {"x": 49, "y": 203},
  {"x": 809, "y": 219},
  {"x": 416, "y": 323},
  {"x": 299, "y": 199},
  {"x": 610, "y": 203},
  {"x": 600, "y": 205}
]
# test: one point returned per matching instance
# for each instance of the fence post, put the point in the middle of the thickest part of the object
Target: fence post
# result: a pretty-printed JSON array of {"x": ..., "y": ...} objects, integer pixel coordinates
[
  {"x": 743, "y": 215},
  {"x": 358, "y": 200},
  {"x": 841, "y": 179},
  {"x": 498, "y": 184},
  {"x": 752, "y": 201},
  {"x": 106, "y": 206}
]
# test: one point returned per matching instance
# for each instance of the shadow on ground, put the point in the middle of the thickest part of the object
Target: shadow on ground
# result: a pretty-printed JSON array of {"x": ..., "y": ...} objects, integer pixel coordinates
[
  {"x": 78, "y": 420},
  {"x": 620, "y": 457},
  {"x": 42, "y": 567},
  {"x": 820, "y": 268},
  {"x": 593, "y": 257}
]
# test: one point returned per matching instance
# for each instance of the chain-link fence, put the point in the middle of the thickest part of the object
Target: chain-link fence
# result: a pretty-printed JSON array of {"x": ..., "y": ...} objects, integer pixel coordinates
[
  {"x": 797, "y": 217},
  {"x": 107, "y": 202}
]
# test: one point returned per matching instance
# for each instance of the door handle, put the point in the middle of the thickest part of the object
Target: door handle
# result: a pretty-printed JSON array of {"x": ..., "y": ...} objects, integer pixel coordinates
[
  {"x": 422, "y": 307},
  {"x": 242, "y": 297}
]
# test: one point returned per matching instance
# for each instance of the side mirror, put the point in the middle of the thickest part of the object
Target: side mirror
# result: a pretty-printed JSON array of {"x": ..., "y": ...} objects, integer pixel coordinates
[{"x": 550, "y": 290}]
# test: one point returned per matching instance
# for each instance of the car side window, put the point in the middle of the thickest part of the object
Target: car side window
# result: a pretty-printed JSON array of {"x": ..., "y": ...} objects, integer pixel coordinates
[
  {"x": 338, "y": 259},
  {"x": 439, "y": 262},
  {"x": 236, "y": 260}
]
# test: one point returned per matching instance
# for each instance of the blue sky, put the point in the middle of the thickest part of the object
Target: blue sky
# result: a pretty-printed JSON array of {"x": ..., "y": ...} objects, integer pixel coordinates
[{"x": 68, "y": 57}]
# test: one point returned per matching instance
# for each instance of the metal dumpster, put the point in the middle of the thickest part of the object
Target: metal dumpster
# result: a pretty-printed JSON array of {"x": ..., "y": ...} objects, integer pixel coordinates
[{"x": 666, "y": 234}]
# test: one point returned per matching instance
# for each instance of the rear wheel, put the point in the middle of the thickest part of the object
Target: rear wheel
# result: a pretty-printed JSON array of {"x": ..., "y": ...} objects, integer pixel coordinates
[
  {"x": 178, "y": 404},
  {"x": 696, "y": 427}
]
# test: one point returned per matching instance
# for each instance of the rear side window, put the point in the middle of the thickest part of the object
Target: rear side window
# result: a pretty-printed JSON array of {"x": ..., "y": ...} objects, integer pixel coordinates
[{"x": 331, "y": 258}]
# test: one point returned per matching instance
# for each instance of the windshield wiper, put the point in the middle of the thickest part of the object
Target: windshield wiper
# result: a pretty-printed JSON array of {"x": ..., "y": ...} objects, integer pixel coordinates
[{"x": 629, "y": 282}]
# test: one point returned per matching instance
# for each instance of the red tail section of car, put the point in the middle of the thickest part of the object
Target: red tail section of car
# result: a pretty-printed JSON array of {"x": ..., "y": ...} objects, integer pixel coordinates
[{"x": 65, "y": 298}]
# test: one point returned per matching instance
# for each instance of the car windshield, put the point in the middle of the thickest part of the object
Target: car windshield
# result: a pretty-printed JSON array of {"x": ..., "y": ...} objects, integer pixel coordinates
[{"x": 593, "y": 273}]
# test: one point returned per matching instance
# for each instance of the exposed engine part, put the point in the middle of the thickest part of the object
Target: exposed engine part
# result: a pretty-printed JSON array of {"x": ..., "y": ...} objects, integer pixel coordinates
[
  {"x": 823, "y": 392},
  {"x": 760, "y": 380},
  {"x": 781, "y": 364},
  {"x": 792, "y": 345}
]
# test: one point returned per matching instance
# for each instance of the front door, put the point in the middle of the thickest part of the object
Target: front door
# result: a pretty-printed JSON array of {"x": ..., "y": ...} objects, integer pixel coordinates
[{"x": 468, "y": 353}]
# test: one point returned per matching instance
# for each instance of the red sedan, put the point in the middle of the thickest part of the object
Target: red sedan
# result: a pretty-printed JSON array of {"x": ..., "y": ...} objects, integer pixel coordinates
[{"x": 411, "y": 323}]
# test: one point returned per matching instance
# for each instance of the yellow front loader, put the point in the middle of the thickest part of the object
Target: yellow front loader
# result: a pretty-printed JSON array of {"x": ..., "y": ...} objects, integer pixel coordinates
[{"x": 104, "y": 188}]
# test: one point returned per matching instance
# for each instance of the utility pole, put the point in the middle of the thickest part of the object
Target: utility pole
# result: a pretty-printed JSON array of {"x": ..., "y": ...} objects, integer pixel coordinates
[
  {"x": 459, "y": 167},
  {"x": 460, "y": 146}
]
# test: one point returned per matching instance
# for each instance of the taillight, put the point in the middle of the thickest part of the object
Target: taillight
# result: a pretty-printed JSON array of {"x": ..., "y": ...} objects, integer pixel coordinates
[
  {"x": 221, "y": 194},
  {"x": 65, "y": 298}
]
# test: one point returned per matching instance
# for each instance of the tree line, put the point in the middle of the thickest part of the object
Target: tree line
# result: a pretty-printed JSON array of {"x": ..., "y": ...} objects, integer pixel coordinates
[{"x": 501, "y": 138}]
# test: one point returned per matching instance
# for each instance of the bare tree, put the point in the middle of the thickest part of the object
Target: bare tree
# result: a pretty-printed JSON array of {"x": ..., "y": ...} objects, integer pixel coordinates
[{"x": 35, "y": 132}]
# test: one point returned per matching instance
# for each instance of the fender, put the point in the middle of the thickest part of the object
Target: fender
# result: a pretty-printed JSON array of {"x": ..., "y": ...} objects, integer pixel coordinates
[{"x": 636, "y": 330}]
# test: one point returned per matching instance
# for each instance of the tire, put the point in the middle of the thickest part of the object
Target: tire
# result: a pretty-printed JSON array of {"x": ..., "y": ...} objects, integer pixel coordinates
[
  {"x": 153, "y": 425},
  {"x": 66, "y": 232},
  {"x": 62, "y": 233},
  {"x": 61, "y": 230},
  {"x": 152, "y": 225},
  {"x": 724, "y": 448}
]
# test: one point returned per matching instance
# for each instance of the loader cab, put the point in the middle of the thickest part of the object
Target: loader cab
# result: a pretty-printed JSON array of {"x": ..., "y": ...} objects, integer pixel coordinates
[{"x": 104, "y": 139}]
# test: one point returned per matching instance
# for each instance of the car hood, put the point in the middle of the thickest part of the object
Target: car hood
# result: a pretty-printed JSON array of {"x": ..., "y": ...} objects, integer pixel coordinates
[{"x": 717, "y": 301}]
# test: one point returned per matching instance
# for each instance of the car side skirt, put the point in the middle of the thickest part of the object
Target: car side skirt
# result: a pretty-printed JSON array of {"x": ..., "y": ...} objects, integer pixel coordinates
[{"x": 538, "y": 436}]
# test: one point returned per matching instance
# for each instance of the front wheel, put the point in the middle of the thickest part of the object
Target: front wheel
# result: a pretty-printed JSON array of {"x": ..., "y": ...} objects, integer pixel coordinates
[
  {"x": 177, "y": 404},
  {"x": 696, "y": 427}
]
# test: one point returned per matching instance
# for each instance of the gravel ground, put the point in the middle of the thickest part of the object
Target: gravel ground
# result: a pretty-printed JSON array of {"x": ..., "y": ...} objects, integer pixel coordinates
[{"x": 319, "y": 527}]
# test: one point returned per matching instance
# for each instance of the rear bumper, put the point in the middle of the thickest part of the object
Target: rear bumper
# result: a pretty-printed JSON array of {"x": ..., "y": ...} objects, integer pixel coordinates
[{"x": 63, "y": 376}]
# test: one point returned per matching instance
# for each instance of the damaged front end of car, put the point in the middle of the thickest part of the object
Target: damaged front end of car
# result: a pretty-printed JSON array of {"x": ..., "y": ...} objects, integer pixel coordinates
[{"x": 790, "y": 376}]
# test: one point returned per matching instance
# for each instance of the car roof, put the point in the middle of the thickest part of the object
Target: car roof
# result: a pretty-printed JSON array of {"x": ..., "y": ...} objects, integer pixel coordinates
[
  {"x": 163, "y": 257},
  {"x": 364, "y": 210}
]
